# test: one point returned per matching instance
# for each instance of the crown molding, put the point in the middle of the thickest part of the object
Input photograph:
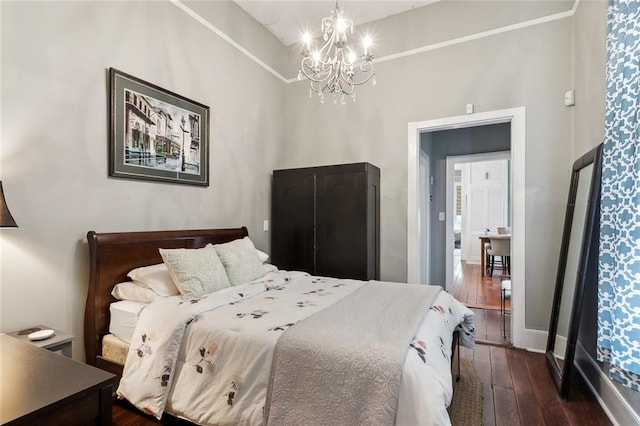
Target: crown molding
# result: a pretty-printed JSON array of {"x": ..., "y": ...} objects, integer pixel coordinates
[{"x": 411, "y": 52}]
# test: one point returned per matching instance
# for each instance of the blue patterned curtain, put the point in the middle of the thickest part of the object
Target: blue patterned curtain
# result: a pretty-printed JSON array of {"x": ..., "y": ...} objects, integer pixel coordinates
[{"x": 619, "y": 261}]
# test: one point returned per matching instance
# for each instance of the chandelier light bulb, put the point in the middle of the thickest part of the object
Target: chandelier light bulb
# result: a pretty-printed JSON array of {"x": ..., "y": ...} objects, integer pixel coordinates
[
  {"x": 366, "y": 42},
  {"x": 306, "y": 38}
]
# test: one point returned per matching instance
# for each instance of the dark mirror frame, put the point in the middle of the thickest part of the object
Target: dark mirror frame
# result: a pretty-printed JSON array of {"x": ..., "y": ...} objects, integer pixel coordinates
[{"x": 562, "y": 374}]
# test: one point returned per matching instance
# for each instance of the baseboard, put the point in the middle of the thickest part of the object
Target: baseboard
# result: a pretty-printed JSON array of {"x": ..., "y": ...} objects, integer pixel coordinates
[
  {"x": 532, "y": 340},
  {"x": 619, "y": 411}
]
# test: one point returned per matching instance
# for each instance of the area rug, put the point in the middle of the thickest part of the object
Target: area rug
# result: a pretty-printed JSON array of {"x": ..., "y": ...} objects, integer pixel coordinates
[{"x": 466, "y": 406}]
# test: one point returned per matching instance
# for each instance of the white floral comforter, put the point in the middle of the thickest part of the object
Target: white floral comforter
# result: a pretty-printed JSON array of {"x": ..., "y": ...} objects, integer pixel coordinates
[{"x": 209, "y": 359}]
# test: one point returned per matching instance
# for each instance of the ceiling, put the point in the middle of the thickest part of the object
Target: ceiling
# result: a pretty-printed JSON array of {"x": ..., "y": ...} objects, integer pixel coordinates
[{"x": 288, "y": 20}]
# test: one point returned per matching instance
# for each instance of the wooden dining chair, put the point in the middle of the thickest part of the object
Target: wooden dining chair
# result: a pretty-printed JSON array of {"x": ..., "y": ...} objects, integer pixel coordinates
[
  {"x": 500, "y": 247},
  {"x": 487, "y": 258}
]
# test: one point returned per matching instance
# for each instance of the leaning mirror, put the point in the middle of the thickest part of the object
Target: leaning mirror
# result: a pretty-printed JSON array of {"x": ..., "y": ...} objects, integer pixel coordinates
[{"x": 581, "y": 219}]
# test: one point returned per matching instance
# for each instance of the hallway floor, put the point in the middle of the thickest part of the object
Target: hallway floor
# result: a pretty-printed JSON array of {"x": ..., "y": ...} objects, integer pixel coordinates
[{"x": 482, "y": 296}]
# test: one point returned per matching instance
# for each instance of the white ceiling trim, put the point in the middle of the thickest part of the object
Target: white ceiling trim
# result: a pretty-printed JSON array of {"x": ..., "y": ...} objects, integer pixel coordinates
[
  {"x": 427, "y": 48},
  {"x": 575, "y": 6},
  {"x": 477, "y": 36},
  {"x": 228, "y": 39}
]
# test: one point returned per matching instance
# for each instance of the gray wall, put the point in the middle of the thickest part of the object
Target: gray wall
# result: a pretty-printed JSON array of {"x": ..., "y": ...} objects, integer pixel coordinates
[
  {"x": 530, "y": 66},
  {"x": 471, "y": 140},
  {"x": 55, "y": 57}
]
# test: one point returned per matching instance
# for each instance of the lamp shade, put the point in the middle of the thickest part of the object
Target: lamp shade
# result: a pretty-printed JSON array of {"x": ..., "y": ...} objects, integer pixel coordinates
[{"x": 6, "y": 220}]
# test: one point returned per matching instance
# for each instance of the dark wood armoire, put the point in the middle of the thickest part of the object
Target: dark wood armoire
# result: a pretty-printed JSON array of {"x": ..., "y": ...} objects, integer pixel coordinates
[{"x": 326, "y": 220}]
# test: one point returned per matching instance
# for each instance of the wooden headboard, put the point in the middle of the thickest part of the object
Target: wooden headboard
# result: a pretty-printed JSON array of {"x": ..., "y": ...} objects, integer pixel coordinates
[{"x": 113, "y": 255}]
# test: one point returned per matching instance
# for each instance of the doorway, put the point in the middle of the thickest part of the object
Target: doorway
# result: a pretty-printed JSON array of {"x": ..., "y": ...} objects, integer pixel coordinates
[
  {"x": 515, "y": 117},
  {"x": 484, "y": 188}
]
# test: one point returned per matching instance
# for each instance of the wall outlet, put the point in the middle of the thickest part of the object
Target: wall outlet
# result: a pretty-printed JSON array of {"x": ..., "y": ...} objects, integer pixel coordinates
[{"x": 570, "y": 98}]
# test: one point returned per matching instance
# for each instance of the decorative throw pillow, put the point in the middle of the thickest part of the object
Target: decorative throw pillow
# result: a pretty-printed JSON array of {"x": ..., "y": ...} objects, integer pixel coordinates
[
  {"x": 195, "y": 271},
  {"x": 240, "y": 260},
  {"x": 128, "y": 290}
]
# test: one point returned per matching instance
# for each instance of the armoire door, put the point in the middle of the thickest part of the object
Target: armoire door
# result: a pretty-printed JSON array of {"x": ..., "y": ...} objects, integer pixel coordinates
[
  {"x": 292, "y": 221},
  {"x": 341, "y": 225}
]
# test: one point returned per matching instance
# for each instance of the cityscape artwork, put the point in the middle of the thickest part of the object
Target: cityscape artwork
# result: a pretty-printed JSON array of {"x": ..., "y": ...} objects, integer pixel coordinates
[{"x": 156, "y": 134}]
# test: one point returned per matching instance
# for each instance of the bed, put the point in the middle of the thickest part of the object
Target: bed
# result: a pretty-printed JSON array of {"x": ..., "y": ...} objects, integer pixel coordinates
[{"x": 269, "y": 375}]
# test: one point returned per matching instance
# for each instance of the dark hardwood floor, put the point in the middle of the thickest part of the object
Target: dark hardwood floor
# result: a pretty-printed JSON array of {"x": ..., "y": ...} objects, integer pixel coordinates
[
  {"x": 518, "y": 389},
  {"x": 517, "y": 386},
  {"x": 483, "y": 295}
]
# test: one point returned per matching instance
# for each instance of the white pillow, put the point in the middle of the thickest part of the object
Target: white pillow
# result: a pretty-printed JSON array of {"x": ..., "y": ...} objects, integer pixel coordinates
[
  {"x": 130, "y": 291},
  {"x": 240, "y": 260},
  {"x": 269, "y": 267},
  {"x": 156, "y": 278},
  {"x": 195, "y": 271},
  {"x": 262, "y": 255}
]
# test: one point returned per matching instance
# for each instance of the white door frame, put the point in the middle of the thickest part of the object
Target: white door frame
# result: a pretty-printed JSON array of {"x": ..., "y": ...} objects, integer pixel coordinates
[
  {"x": 425, "y": 218},
  {"x": 451, "y": 162},
  {"x": 517, "y": 118}
]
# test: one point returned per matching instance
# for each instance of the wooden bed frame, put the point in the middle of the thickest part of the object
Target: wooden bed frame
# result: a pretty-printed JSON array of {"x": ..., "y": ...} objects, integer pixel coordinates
[{"x": 113, "y": 255}]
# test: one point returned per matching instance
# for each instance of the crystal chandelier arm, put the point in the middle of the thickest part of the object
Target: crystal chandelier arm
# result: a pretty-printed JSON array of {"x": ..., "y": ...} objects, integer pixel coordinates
[
  {"x": 366, "y": 72},
  {"x": 326, "y": 57}
]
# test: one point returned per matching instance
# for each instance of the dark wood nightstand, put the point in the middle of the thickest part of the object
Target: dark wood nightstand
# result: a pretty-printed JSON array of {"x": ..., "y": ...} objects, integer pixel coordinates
[
  {"x": 60, "y": 342},
  {"x": 40, "y": 387}
]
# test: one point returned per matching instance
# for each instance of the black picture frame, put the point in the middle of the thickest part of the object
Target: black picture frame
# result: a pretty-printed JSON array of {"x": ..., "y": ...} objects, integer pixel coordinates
[
  {"x": 576, "y": 265},
  {"x": 155, "y": 134}
]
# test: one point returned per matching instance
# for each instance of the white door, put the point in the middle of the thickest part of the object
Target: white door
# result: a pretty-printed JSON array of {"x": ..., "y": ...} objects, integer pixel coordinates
[{"x": 487, "y": 202}]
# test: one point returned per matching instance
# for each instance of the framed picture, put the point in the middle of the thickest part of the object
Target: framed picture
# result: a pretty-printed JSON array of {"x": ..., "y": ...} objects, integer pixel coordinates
[{"x": 156, "y": 134}]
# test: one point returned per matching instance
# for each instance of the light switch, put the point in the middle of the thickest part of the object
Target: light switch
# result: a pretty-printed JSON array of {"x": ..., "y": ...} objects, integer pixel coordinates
[
  {"x": 441, "y": 216},
  {"x": 265, "y": 225}
]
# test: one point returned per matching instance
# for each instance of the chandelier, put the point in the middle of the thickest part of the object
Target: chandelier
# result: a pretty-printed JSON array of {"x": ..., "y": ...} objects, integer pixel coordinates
[{"x": 336, "y": 68}]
